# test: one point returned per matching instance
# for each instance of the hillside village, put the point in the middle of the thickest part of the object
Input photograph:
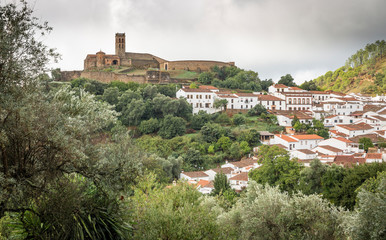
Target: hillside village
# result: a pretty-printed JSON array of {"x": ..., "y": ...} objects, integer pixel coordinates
[{"x": 349, "y": 117}]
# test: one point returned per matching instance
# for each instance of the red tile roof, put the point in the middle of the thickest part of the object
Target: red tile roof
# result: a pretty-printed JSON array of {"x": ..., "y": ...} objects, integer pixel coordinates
[
  {"x": 205, "y": 183},
  {"x": 330, "y": 148},
  {"x": 240, "y": 177},
  {"x": 225, "y": 170},
  {"x": 305, "y": 151},
  {"x": 246, "y": 94},
  {"x": 269, "y": 98},
  {"x": 195, "y": 174},
  {"x": 318, "y": 92},
  {"x": 374, "y": 156},
  {"x": 286, "y": 138},
  {"x": 307, "y": 137},
  {"x": 338, "y": 133},
  {"x": 207, "y": 87},
  {"x": 295, "y": 88},
  {"x": 195, "y": 90},
  {"x": 343, "y": 139},
  {"x": 280, "y": 86},
  {"x": 348, "y": 161},
  {"x": 356, "y": 127}
]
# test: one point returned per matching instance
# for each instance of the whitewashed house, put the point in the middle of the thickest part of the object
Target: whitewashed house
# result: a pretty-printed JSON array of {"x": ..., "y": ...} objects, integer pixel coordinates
[
  {"x": 194, "y": 176},
  {"x": 199, "y": 99},
  {"x": 225, "y": 170},
  {"x": 239, "y": 181},
  {"x": 332, "y": 120},
  {"x": 295, "y": 142},
  {"x": 352, "y": 130},
  {"x": 374, "y": 157}
]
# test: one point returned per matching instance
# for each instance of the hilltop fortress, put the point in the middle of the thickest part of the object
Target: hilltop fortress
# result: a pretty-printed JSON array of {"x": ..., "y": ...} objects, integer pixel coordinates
[{"x": 101, "y": 60}]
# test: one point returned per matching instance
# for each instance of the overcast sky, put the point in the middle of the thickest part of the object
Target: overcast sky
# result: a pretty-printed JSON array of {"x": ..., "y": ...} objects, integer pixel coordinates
[{"x": 304, "y": 38}]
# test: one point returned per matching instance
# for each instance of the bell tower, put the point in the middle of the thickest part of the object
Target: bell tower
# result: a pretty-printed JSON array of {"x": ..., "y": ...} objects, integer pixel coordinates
[{"x": 120, "y": 44}]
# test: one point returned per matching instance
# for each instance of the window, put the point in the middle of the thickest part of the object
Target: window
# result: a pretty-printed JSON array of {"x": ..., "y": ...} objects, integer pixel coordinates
[
  {"x": 207, "y": 105},
  {"x": 197, "y": 97},
  {"x": 303, "y": 100},
  {"x": 232, "y": 106},
  {"x": 241, "y": 106},
  {"x": 200, "y": 105},
  {"x": 231, "y": 100},
  {"x": 289, "y": 100}
]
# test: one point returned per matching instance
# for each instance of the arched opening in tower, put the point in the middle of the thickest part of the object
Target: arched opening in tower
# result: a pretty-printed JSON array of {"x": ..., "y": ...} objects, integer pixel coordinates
[{"x": 115, "y": 62}]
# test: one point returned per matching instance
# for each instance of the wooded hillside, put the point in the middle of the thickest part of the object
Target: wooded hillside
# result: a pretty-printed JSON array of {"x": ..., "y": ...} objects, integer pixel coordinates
[{"x": 364, "y": 72}]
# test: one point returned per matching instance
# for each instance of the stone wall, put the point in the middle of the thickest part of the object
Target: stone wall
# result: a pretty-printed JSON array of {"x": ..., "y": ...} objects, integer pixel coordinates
[
  {"x": 105, "y": 77},
  {"x": 197, "y": 66}
]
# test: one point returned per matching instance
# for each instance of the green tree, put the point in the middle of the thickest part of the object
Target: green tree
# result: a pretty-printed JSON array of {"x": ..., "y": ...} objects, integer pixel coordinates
[
  {"x": 172, "y": 126},
  {"x": 268, "y": 213},
  {"x": 221, "y": 184},
  {"x": 193, "y": 159},
  {"x": 211, "y": 132},
  {"x": 171, "y": 213},
  {"x": 257, "y": 110},
  {"x": 369, "y": 218},
  {"x": 244, "y": 147},
  {"x": 111, "y": 95},
  {"x": 238, "y": 119},
  {"x": 265, "y": 84},
  {"x": 310, "y": 181},
  {"x": 277, "y": 169},
  {"x": 365, "y": 143},
  {"x": 133, "y": 112},
  {"x": 294, "y": 121},
  {"x": 235, "y": 151},
  {"x": 206, "y": 78},
  {"x": 122, "y": 87},
  {"x": 287, "y": 80},
  {"x": 224, "y": 143},
  {"x": 199, "y": 120},
  {"x": 193, "y": 85},
  {"x": 220, "y": 104},
  {"x": 149, "y": 126},
  {"x": 222, "y": 118}
]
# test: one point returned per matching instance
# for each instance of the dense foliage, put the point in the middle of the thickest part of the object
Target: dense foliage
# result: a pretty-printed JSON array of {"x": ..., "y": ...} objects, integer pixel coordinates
[{"x": 234, "y": 78}]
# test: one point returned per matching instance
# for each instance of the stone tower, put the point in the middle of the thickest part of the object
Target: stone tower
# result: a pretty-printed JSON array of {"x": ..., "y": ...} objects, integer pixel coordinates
[{"x": 120, "y": 44}]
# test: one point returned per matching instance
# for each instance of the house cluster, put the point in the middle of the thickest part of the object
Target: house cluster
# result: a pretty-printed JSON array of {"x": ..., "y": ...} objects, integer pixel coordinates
[
  {"x": 278, "y": 98},
  {"x": 236, "y": 172},
  {"x": 349, "y": 117}
]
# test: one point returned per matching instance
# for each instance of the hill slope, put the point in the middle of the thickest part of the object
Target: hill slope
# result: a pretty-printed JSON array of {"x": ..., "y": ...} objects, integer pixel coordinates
[{"x": 364, "y": 72}]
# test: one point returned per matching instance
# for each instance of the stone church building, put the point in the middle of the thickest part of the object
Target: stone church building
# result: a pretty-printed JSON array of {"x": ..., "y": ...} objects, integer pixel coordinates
[{"x": 144, "y": 60}]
